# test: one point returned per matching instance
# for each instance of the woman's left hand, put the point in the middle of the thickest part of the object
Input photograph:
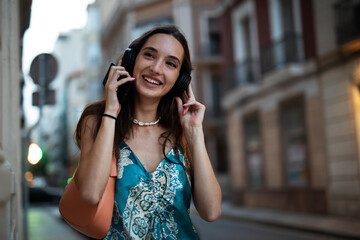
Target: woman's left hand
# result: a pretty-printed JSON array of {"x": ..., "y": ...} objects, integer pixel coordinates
[{"x": 191, "y": 112}]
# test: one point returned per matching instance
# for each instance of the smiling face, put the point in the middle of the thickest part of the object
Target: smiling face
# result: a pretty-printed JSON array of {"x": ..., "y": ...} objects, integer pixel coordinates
[{"x": 158, "y": 65}]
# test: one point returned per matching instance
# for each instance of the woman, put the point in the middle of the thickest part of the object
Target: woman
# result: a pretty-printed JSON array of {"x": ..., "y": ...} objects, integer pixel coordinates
[{"x": 157, "y": 136}]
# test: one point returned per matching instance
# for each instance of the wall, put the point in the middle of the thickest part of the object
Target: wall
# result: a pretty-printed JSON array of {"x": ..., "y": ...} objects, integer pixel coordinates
[
  {"x": 341, "y": 107},
  {"x": 12, "y": 27}
]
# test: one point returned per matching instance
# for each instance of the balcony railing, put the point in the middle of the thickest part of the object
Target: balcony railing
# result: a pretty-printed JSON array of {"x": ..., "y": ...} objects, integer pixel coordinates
[
  {"x": 243, "y": 73},
  {"x": 210, "y": 50},
  {"x": 347, "y": 21},
  {"x": 278, "y": 53}
]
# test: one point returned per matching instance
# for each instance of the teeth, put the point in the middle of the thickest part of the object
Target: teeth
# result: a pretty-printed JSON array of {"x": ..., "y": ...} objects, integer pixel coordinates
[{"x": 151, "y": 81}]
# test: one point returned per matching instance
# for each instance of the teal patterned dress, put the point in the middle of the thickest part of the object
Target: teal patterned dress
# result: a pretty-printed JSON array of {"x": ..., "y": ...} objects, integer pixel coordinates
[{"x": 151, "y": 205}]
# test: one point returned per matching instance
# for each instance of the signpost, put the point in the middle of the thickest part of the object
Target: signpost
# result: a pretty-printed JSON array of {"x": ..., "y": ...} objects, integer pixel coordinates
[{"x": 43, "y": 70}]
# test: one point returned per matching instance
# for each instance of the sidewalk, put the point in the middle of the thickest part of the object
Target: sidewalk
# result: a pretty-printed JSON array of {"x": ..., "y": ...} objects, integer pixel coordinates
[
  {"x": 335, "y": 226},
  {"x": 44, "y": 222}
]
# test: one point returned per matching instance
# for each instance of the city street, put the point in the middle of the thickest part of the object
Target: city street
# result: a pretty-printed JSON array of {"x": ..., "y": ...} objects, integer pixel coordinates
[
  {"x": 45, "y": 222},
  {"x": 226, "y": 229}
]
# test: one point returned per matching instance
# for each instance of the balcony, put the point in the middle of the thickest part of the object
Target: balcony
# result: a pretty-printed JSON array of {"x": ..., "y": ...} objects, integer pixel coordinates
[
  {"x": 347, "y": 24},
  {"x": 279, "y": 53},
  {"x": 209, "y": 54},
  {"x": 243, "y": 73},
  {"x": 211, "y": 49}
]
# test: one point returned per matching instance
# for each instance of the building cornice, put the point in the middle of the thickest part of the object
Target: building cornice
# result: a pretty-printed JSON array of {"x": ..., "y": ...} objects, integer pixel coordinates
[{"x": 289, "y": 75}]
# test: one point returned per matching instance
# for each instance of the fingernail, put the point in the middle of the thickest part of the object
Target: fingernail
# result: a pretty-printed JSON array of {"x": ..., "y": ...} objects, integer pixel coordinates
[
  {"x": 132, "y": 78},
  {"x": 184, "y": 112}
]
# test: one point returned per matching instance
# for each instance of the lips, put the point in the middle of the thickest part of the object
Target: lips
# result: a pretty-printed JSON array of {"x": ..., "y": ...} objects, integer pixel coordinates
[{"x": 152, "y": 80}]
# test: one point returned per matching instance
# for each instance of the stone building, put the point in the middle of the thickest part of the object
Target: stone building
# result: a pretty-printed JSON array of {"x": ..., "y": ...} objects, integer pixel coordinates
[
  {"x": 14, "y": 20},
  {"x": 292, "y": 104}
]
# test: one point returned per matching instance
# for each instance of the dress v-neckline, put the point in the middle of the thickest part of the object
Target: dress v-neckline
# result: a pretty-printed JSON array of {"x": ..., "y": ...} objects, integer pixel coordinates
[{"x": 141, "y": 164}]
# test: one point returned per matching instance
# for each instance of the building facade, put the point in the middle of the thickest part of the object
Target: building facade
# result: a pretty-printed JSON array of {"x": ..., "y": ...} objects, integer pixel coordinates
[
  {"x": 71, "y": 87},
  {"x": 292, "y": 104},
  {"x": 77, "y": 84},
  {"x": 14, "y": 20}
]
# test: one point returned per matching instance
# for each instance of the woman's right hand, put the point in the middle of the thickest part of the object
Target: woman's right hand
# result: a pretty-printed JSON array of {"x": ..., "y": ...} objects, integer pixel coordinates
[{"x": 112, "y": 105}]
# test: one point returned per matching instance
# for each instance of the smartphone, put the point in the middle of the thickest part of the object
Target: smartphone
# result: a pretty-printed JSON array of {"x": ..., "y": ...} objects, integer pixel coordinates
[{"x": 123, "y": 90}]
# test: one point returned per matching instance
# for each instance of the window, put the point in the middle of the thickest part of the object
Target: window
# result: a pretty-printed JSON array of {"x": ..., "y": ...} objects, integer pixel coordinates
[
  {"x": 210, "y": 36},
  {"x": 287, "y": 16},
  {"x": 221, "y": 149},
  {"x": 294, "y": 143},
  {"x": 246, "y": 69},
  {"x": 246, "y": 53},
  {"x": 216, "y": 94},
  {"x": 286, "y": 44},
  {"x": 214, "y": 36},
  {"x": 347, "y": 20},
  {"x": 253, "y": 151},
  {"x": 245, "y": 28}
]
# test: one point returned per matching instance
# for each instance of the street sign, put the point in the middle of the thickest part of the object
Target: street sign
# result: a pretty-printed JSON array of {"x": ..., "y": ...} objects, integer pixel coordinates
[
  {"x": 43, "y": 69},
  {"x": 49, "y": 98}
]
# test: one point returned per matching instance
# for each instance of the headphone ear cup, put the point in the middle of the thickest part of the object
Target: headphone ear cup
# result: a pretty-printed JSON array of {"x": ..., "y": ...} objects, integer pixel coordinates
[
  {"x": 128, "y": 60},
  {"x": 181, "y": 84}
]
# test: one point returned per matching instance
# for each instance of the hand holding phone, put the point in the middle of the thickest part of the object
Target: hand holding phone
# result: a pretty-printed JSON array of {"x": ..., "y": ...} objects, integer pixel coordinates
[{"x": 123, "y": 90}]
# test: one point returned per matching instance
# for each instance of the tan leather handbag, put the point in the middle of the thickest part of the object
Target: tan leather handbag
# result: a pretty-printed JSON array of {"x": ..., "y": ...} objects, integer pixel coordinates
[{"x": 92, "y": 220}]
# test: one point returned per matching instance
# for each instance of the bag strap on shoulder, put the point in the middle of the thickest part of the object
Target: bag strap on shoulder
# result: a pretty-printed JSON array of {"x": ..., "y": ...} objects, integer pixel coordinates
[{"x": 113, "y": 170}]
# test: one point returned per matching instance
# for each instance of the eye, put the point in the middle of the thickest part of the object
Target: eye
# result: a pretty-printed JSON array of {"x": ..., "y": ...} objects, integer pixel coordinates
[
  {"x": 148, "y": 55},
  {"x": 171, "y": 64}
]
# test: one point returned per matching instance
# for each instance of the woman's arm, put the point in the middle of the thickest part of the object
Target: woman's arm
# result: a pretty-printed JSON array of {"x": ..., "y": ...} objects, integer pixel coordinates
[
  {"x": 95, "y": 159},
  {"x": 206, "y": 189},
  {"x": 96, "y": 154}
]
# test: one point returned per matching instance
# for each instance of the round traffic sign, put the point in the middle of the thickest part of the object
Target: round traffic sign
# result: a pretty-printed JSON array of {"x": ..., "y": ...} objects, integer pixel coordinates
[{"x": 43, "y": 68}]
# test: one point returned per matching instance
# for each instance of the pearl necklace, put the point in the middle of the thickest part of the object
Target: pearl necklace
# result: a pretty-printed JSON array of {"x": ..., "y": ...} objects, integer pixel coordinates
[{"x": 141, "y": 124}]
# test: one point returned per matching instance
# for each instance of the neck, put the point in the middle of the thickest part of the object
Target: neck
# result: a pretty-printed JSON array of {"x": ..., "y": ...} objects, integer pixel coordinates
[{"x": 145, "y": 109}]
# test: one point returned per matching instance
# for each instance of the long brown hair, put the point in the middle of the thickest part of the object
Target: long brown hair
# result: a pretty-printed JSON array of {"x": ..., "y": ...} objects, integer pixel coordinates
[{"x": 167, "y": 110}]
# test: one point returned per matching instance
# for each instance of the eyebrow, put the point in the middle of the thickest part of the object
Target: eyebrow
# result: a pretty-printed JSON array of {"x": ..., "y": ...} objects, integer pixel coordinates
[{"x": 155, "y": 50}]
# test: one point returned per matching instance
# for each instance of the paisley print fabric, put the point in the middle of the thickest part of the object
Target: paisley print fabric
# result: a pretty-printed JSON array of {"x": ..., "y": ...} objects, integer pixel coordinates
[{"x": 151, "y": 205}]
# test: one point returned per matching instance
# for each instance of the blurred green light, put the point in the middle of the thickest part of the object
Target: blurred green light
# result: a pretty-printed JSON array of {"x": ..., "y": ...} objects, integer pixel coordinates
[{"x": 68, "y": 181}]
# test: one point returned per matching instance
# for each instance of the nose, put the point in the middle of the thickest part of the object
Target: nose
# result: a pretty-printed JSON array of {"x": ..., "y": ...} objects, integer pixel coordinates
[{"x": 156, "y": 67}]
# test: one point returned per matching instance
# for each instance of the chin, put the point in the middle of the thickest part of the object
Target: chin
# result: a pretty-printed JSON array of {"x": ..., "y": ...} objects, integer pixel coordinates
[{"x": 150, "y": 93}]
